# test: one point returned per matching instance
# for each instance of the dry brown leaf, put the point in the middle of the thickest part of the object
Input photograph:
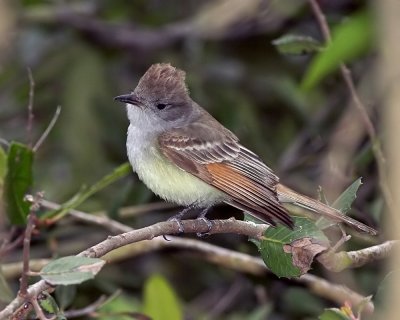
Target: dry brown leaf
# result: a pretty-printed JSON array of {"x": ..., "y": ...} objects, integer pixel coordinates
[{"x": 303, "y": 252}]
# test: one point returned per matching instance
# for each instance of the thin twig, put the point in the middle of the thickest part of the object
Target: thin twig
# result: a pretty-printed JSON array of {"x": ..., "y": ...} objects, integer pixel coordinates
[
  {"x": 346, "y": 74},
  {"x": 26, "y": 254},
  {"x": 27, "y": 243},
  {"x": 323, "y": 24},
  {"x": 6, "y": 241},
  {"x": 14, "y": 269},
  {"x": 354, "y": 259},
  {"x": 4, "y": 142},
  {"x": 343, "y": 239},
  {"x": 48, "y": 129},
  {"x": 12, "y": 245},
  {"x": 97, "y": 219},
  {"x": 86, "y": 310},
  {"x": 30, "y": 107},
  {"x": 142, "y": 39},
  {"x": 228, "y": 298}
]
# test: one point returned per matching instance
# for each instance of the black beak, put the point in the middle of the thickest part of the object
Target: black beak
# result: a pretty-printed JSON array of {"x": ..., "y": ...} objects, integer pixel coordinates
[{"x": 128, "y": 98}]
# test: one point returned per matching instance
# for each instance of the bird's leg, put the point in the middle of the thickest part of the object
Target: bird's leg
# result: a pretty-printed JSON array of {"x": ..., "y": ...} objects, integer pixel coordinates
[
  {"x": 178, "y": 217},
  {"x": 202, "y": 216}
]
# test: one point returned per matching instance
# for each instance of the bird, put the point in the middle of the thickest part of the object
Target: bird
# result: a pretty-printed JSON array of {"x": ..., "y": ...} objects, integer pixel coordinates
[{"x": 185, "y": 156}]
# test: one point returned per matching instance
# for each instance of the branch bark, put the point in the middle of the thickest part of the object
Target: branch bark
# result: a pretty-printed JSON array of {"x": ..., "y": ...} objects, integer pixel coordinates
[{"x": 354, "y": 259}]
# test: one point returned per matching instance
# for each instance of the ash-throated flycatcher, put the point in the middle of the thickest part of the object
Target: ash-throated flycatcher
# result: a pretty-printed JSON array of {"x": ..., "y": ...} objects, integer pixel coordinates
[{"x": 186, "y": 156}]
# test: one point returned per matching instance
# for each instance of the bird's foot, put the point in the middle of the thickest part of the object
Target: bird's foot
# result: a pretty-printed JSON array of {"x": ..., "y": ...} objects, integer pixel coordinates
[
  {"x": 209, "y": 226},
  {"x": 202, "y": 216},
  {"x": 178, "y": 219}
]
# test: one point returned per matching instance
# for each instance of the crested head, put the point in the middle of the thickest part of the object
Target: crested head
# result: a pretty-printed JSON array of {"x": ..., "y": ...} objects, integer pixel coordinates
[
  {"x": 160, "y": 100},
  {"x": 163, "y": 82}
]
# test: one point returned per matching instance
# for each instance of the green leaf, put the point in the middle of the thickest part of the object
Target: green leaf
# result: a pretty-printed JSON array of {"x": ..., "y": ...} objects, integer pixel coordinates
[
  {"x": 18, "y": 180},
  {"x": 160, "y": 300},
  {"x": 260, "y": 313},
  {"x": 333, "y": 314},
  {"x": 346, "y": 199},
  {"x": 6, "y": 294},
  {"x": 300, "y": 301},
  {"x": 65, "y": 295},
  {"x": 276, "y": 241},
  {"x": 48, "y": 304},
  {"x": 297, "y": 44},
  {"x": 71, "y": 270},
  {"x": 83, "y": 195},
  {"x": 3, "y": 165},
  {"x": 349, "y": 40},
  {"x": 342, "y": 203}
]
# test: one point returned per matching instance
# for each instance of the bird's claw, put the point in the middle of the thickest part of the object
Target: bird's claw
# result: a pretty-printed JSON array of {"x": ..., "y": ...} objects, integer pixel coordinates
[
  {"x": 209, "y": 225},
  {"x": 181, "y": 229}
]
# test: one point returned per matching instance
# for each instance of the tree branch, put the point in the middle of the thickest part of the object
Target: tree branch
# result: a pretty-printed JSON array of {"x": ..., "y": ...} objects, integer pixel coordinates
[
  {"x": 109, "y": 224},
  {"x": 354, "y": 259},
  {"x": 338, "y": 293},
  {"x": 333, "y": 261},
  {"x": 239, "y": 22}
]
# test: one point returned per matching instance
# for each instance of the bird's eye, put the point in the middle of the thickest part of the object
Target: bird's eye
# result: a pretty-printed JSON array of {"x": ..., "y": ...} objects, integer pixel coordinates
[{"x": 161, "y": 106}]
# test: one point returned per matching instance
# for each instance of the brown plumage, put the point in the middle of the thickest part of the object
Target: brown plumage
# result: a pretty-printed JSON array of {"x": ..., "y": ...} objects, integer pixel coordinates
[
  {"x": 212, "y": 153},
  {"x": 164, "y": 119}
]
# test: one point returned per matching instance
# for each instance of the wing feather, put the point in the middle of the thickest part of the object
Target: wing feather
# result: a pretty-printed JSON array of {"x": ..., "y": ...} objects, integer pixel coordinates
[
  {"x": 216, "y": 157},
  {"x": 224, "y": 178}
]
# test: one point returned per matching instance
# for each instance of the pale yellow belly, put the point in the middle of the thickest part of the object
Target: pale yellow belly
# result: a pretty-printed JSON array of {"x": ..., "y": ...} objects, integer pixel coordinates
[{"x": 173, "y": 184}]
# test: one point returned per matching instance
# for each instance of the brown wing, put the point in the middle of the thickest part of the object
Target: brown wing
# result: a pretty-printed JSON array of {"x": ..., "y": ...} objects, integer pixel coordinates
[{"x": 216, "y": 157}]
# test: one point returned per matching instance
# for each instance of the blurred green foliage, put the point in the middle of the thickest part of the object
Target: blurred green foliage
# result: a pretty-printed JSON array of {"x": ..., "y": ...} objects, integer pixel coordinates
[
  {"x": 297, "y": 44},
  {"x": 350, "y": 39},
  {"x": 160, "y": 300}
]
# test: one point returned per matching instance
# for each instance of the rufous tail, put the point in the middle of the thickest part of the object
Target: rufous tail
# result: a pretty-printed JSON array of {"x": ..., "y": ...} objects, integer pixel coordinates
[{"x": 287, "y": 195}]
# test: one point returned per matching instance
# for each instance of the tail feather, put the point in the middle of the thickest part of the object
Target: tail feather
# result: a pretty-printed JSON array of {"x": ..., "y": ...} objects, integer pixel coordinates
[{"x": 287, "y": 195}]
